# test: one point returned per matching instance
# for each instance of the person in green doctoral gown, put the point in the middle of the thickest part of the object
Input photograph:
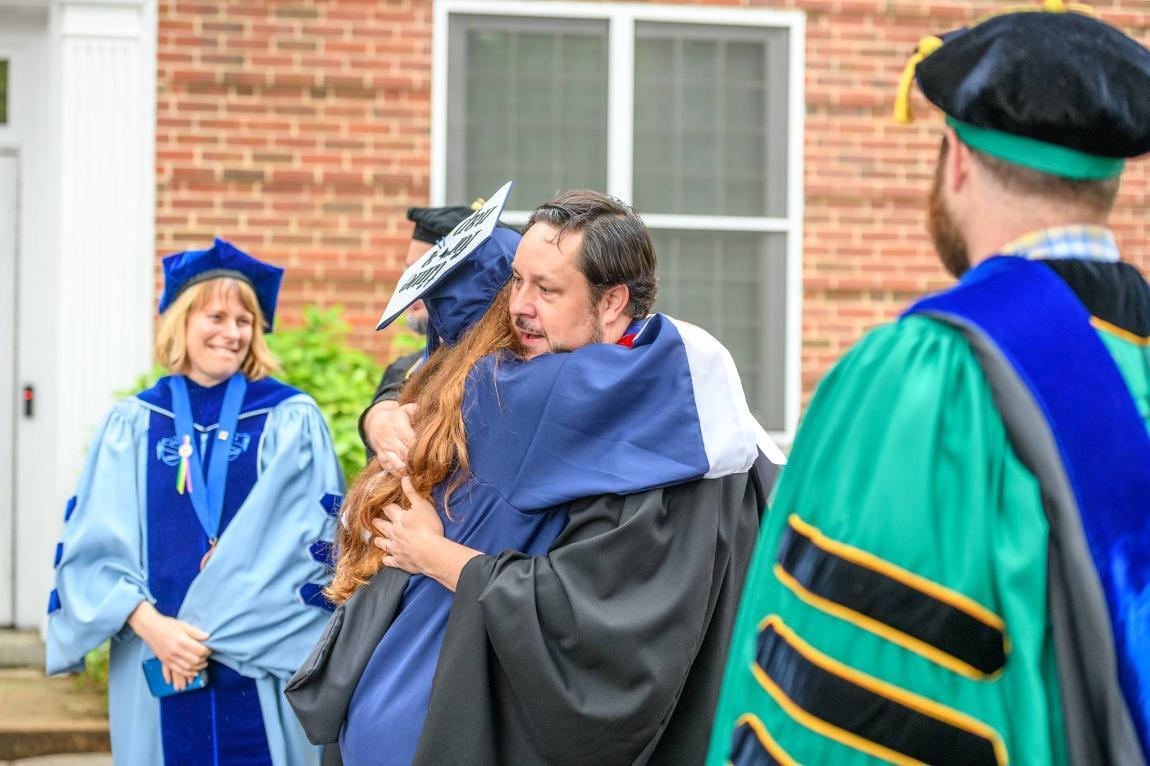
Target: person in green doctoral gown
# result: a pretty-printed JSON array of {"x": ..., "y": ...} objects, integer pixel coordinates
[{"x": 955, "y": 567}]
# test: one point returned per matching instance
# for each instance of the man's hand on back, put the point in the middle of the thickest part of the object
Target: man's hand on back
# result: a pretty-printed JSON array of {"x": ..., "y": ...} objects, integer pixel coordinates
[
  {"x": 412, "y": 539},
  {"x": 388, "y": 429}
]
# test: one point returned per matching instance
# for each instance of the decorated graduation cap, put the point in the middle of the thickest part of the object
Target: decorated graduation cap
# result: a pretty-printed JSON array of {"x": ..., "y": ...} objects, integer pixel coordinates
[
  {"x": 459, "y": 277},
  {"x": 222, "y": 259},
  {"x": 1049, "y": 87}
]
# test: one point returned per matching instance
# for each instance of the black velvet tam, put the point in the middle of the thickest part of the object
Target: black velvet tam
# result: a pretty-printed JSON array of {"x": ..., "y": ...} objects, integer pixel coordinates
[
  {"x": 434, "y": 223},
  {"x": 1061, "y": 78}
]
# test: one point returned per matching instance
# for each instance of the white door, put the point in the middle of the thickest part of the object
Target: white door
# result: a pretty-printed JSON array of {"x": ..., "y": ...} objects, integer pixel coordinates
[{"x": 10, "y": 400}]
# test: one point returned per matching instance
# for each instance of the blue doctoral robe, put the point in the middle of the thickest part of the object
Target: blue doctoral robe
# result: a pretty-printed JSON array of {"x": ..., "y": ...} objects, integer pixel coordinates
[{"x": 129, "y": 537}]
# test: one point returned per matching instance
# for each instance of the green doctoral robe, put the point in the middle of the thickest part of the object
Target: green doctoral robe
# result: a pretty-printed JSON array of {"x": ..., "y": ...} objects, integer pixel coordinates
[{"x": 903, "y": 466}]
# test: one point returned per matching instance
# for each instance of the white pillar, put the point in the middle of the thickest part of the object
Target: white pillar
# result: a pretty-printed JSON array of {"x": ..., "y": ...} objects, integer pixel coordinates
[{"x": 88, "y": 309}]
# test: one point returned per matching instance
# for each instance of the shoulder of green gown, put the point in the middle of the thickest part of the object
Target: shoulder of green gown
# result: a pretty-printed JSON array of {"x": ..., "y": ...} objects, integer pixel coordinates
[
  {"x": 904, "y": 457},
  {"x": 904, "y": 559},
  {"x": 894, "y": 377}
]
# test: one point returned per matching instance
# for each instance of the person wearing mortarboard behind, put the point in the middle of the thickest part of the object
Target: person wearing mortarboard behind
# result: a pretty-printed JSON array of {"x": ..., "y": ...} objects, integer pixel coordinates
[
  {"x": 384, "y": 428},
  {"x": 199, "y": 538},
  {"x": 956, "y": 564}
]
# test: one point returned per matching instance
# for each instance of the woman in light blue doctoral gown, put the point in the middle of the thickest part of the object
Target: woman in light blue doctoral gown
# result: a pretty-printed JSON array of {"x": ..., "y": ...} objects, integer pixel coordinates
[{"x": 200, "y": 534}]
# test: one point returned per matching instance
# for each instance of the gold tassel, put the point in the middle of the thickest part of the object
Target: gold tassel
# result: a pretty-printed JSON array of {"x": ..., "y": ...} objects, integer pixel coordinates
[
  {"x": 478, "y": 203},
  {"x": 926, "y": 46},
  {"x": 930, "y": 44}
]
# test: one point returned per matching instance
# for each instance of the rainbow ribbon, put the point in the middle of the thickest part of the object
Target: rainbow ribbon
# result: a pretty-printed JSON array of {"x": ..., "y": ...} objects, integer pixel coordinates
[{"x": 183, "y": 475}]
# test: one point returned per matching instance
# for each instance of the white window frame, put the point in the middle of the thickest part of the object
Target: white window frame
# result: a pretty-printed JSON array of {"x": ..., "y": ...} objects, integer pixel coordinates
[{"x": 621, "y": 19}]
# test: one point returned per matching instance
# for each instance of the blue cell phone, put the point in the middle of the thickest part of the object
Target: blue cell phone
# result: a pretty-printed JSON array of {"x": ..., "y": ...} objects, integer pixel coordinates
[{"x": 154, "y": 672}]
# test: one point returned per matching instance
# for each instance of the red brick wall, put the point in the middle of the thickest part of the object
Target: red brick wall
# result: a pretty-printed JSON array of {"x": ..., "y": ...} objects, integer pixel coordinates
[
  {"x": 865, "y": 250},
  {"x": 301, "y": 130}
]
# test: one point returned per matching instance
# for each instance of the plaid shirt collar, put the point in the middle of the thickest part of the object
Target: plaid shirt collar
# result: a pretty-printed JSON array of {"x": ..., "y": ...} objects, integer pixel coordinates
[{"x": 1091, "y": 243}]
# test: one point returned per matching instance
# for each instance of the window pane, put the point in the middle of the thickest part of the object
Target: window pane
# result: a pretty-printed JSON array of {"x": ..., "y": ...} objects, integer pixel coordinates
[
  {"x": 710, "y": 120},
  {"x": 527, "y": 101},
  {"x": 734, "y": 286},
  {"x": 3, "y": 91}
]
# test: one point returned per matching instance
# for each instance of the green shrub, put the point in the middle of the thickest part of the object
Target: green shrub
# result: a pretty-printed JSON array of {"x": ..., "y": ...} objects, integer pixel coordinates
[
  {"x": 317, "y": 359},
  {"x": 95, "y": 675},
  {"x": 405, "y": 341}
]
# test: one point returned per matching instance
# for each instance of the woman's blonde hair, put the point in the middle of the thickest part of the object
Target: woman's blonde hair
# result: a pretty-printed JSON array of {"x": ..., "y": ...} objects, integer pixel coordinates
[
  {"x": 439, "y": 451},
  {"x": 171, "y": 347}
]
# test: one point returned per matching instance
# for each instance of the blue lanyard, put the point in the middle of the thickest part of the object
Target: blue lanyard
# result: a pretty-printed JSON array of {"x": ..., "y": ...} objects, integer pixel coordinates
[{"x": 208, "y": 497}]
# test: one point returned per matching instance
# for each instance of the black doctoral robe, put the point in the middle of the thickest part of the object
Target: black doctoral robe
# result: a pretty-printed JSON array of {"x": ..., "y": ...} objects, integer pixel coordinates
[{"x": 609, "y": 650}]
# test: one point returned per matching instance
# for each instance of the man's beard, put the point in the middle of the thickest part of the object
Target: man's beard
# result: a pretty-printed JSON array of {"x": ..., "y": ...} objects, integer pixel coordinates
[
  {"x": 948, "y": 240},
  {"x": 417, "y": 323},
  {"x": 594, "y": 335}
]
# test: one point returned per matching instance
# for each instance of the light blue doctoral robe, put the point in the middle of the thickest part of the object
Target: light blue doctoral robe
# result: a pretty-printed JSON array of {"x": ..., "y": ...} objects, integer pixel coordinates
[{"x": 258, "y": 597}]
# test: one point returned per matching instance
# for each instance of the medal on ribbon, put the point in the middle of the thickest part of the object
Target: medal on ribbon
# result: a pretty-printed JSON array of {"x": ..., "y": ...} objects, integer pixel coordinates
[
  {"x": 208, "y": 553},
  {"x": 208, "y": 502}
]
